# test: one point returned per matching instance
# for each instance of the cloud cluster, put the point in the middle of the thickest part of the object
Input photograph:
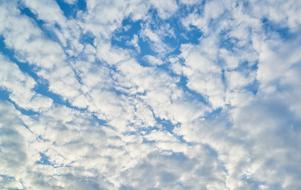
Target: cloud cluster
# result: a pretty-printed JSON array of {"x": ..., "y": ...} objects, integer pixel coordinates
[{"x": 150, "y": 95}]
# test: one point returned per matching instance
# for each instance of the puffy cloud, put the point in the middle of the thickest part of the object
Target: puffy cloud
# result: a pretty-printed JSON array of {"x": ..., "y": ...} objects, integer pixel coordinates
[
  {"x": 165, "y": 170},
  {"x": 20, "y": 87},
  {"x": 150, "y": 95}
]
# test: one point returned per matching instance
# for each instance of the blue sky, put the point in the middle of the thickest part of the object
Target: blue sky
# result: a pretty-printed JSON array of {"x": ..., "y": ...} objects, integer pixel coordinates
[{"x": 144, "y": 95}]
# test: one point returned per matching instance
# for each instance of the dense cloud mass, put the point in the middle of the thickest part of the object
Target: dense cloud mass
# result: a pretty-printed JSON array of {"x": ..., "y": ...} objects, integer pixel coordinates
[{"x": 149, "y": 95}]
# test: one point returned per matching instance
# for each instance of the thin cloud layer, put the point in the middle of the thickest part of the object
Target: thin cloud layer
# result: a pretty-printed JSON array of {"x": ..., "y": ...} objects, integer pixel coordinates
[{"x": 130, "y": 95}]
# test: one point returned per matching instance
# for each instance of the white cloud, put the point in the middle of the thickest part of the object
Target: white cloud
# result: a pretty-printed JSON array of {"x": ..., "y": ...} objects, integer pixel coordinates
[
  {"x": 176, "y": 170},
  {"x": 50, "y": 13},
  {"x": 204, "y": 75},
  {"x": 20, "y": 87},
  {"x": 132, "y": 126},
  {"x": 165, "y": 8}
]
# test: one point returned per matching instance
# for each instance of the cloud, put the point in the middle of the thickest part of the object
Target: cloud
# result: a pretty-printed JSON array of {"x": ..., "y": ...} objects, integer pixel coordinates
[
  {"x": 20, "y": 87},
  {"x": 175, "y": 170},
  {"x": 150, "y": 95},
  {"x": 165, "y": 8}
]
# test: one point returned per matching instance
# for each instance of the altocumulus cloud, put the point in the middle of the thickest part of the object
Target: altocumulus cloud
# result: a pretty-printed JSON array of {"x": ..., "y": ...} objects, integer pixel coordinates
[{"x": 145, "y": 95}]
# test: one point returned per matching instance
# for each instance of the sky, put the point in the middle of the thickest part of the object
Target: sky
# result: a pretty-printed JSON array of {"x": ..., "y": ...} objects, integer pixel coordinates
[{"x": 150, "y": 94}]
